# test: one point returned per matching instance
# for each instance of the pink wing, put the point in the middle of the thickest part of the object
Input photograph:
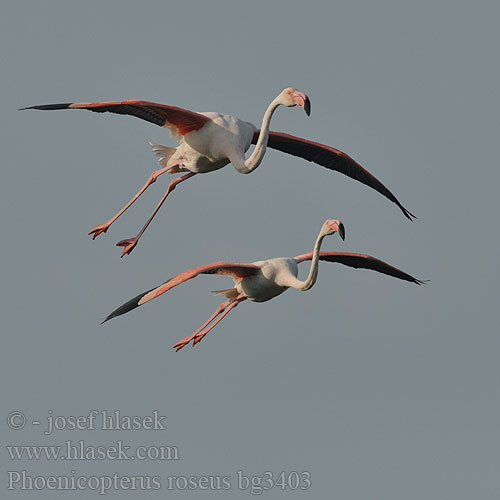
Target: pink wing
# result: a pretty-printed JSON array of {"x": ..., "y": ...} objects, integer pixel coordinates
[
  {"x": 331, "y": 158},
  {"x": 180, "y": 121},
  {"x": 361, "y": 261},
  {"x": 235, "y": 270}
]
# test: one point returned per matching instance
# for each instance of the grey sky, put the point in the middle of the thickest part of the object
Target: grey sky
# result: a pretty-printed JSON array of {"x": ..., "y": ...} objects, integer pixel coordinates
[{"x": 379, "y": 388}]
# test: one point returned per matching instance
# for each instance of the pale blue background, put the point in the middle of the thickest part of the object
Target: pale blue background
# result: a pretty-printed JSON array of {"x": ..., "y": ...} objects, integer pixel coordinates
[{"x": 381, "y": 389}]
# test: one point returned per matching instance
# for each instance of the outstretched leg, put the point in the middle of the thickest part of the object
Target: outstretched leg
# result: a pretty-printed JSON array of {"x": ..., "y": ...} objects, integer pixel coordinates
[
  {"x": 198, "y": 335},
  {"x": 130, "y": 243},
  {"x": 186, "y": 341},
  {"x": 102, "y": 228}
]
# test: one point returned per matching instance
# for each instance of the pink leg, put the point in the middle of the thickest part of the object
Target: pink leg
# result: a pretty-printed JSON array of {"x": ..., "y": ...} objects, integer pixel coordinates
[
  {"x": 130, "y": 243},
  {"x": 198, "y": 335},
  {"x": 186, "y": 341},
  {"x": 102, "y": 228}
]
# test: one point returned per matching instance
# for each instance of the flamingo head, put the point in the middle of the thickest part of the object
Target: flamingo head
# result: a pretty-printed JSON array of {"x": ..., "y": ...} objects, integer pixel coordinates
[
  {"x": 292, "y": 97},
  {"x": 332, "y": 226}
]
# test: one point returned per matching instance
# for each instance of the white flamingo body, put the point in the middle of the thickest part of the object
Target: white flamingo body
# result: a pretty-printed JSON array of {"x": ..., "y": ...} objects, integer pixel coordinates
[
  {"x": 211, "y": 147},
  {"x": 263, "y": 280},
  {"x": 274, "y": 278}
]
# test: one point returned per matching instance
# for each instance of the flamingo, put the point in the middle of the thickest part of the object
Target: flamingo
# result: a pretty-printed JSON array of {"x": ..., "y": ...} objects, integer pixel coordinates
[
  {"x": 209, "y": 141},
  {"x": 263, "y": 280}
]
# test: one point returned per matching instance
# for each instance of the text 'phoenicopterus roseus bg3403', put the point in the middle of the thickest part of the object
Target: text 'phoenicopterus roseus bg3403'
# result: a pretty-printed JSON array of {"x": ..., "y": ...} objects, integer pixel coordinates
[
  {"x": 209, "y": 141},
  {"x": 265, "y": 279}
]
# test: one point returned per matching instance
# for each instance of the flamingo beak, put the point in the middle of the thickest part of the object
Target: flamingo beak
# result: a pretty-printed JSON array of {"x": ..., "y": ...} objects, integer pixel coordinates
[
  {"x": 337, "y": 227},
  {"x": 301, "y": 99},
  {"x": 341, "y": 231}
]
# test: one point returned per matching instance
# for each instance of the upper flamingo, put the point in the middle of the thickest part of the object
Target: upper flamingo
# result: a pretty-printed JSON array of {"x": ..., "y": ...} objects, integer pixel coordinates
[
  {"x": 265, "y": 279},
  {"x": 209, "y": 141}
]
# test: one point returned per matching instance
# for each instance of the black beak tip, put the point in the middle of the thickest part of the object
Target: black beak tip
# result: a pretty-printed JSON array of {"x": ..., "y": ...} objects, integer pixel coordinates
[
  {"x": 342, "y": 231},
  {"x": 307, "y": 107}
]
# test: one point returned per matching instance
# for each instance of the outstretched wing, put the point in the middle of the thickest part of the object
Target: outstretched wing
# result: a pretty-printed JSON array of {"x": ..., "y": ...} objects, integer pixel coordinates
[
  {"x": 235, "y": 270},
  {"x": 361, "y": 261},
  {"x": 331, "y": 158},
  {"x": 180, "y": 121}
]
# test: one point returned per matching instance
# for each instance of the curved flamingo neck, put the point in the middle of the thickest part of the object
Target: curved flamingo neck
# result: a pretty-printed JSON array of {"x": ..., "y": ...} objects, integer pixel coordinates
[
  {"x": 313, "y": 270},
  {"x": 253, "y": 161}
]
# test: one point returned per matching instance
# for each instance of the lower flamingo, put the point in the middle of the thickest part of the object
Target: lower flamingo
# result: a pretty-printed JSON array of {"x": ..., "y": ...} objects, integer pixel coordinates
[{"x": 265, "y": 279}]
